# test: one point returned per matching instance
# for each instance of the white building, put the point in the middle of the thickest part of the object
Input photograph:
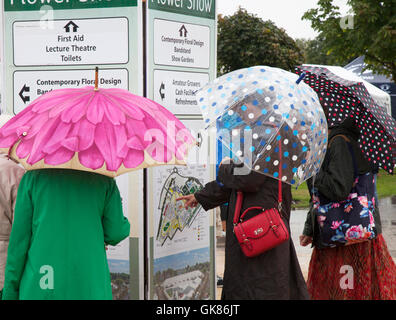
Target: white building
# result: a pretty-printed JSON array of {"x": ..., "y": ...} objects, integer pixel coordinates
[{"x": 183, "y": 286}]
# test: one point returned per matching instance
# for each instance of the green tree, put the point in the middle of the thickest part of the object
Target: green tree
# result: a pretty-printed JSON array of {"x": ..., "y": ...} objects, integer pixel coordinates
[
  {"x": 370, "y": 31},
  {"x": 315, "y": 52},
  {"x": 245, "y": 40}
]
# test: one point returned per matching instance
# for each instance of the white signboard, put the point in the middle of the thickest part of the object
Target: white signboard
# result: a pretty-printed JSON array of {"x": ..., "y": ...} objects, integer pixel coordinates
[
  {"x": 182, "y": 237},
  {"x": 29, "y": 85},
  {"x": 71, "y": 42},
  {"x": 181, "y": 44},
  {"x": 176, "y": 90},
  {"x": 178, "y": 229}
]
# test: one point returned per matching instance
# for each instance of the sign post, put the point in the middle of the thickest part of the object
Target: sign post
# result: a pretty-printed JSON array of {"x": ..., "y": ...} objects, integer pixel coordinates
[
  {"x": 180, "y": 59},
  {"x": 55, "y": 44}
]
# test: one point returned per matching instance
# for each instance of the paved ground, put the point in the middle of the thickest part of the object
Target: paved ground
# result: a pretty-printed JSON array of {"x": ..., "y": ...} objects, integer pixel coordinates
[{"x": 388, "y": 218}]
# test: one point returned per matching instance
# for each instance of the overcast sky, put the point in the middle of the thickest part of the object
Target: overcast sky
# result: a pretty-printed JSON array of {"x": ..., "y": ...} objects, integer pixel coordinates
[{"x": 284, "y": 13}]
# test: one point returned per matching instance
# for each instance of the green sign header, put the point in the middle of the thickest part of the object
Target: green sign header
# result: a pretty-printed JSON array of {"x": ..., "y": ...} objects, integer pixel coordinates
[
  {"x": 199, "y": 8},
  {"x": 29, "y": 5}
]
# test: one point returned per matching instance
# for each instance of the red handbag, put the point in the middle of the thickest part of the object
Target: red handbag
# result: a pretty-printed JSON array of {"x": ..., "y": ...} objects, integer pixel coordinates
[{"x": 262, "y": 232}]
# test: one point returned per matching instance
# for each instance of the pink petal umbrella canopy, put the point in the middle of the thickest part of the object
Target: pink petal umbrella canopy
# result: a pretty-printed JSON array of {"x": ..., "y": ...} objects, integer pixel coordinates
[{"x": 109, "y": 131}]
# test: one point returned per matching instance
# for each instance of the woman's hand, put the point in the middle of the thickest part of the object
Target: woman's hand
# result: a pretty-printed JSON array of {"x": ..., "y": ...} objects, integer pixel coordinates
[
  {"x": 305, "y": 240},
  {"x": 190, "y": 201},
  {"x": 226, "y": 160}
]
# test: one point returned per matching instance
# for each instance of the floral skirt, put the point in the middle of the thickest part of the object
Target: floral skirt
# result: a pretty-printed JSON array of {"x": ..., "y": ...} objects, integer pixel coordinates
[{"x": 363, "y": 271}]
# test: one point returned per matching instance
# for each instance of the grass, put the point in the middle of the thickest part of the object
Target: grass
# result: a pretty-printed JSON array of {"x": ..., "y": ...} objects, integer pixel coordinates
[
  {"x": 300, "y": 197},
  {"x": 386, "y": 187},
  {"x": 386, "y": 184}
]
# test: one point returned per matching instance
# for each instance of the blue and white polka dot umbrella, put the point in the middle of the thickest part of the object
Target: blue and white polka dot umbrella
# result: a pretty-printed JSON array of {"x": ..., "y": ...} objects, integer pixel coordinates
[{"x": 269, "y": 119}]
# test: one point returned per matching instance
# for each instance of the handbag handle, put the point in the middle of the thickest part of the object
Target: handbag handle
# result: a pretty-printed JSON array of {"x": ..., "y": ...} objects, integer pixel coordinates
[
  {"x": 239, "y": 201},
  {"x": 250, "y": 209}
]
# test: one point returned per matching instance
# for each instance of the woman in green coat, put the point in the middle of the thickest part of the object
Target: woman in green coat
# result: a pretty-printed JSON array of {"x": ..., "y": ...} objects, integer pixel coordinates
[{"x": 63, "y": 220}]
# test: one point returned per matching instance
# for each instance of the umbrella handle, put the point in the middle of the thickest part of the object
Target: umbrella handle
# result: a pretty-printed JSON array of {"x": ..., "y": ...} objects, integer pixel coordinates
[
  {"x": 302, "y": 75},
  {"x": 96, "y": 78},
  {"x": 199, "y": 140},
  {"x": 21, "y": 136}
]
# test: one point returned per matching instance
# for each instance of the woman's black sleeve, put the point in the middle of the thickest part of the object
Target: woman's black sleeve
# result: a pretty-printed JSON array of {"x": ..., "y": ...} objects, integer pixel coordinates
[
  {"x": 212, "y": 195},
  {"x": 240, "y": 177}
]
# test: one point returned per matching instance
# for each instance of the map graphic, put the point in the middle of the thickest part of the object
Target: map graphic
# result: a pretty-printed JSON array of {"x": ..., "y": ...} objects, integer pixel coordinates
[{"x": 174, "y": 216}]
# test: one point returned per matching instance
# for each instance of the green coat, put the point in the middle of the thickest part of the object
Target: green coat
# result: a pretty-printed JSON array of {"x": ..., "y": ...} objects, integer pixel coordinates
[{"x": 63, "y": 219}]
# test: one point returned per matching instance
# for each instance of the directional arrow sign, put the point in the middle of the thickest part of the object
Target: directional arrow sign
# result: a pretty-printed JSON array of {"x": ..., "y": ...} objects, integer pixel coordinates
[
  {"x": 24, "y": 89},
  {"x": 183, "y": 31},
  {"x": 174, "y": 46},
  {"x": 161, "y": 91},
  {"x": 180, "y": 90},
  {"x": 39, "y": 82},
  {"x": 71, "y": 24},
  {"x": 81, "y": 41}
]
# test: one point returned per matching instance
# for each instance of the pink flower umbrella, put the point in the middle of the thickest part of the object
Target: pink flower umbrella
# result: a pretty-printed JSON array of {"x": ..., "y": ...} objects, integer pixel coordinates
[{"x": 108, "y": 131}]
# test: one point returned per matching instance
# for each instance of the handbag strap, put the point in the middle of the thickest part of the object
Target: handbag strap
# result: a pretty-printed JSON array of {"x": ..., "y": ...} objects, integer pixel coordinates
[
  {"x": 238, "y": 206},
  {"x": 355, "y": 170},
  {"x": 239, "y": 199},
  {"x": 280, "y": 179}
]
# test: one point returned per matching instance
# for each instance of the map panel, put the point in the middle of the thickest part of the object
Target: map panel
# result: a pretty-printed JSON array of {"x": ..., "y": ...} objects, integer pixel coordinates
[{"x": 174, "y": 216}]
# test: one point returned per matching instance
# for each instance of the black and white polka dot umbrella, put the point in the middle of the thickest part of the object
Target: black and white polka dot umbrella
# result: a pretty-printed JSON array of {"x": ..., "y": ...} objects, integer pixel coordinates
[{"x": 342, "y": 98}]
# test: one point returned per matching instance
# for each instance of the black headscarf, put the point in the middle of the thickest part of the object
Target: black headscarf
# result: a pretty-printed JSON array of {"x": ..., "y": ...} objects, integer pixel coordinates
[{"x": 349, "y": 129}]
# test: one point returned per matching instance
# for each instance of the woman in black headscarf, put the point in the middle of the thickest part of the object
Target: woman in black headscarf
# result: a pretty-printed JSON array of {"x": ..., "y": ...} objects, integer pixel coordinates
[{"x": 359, "y": 271}]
